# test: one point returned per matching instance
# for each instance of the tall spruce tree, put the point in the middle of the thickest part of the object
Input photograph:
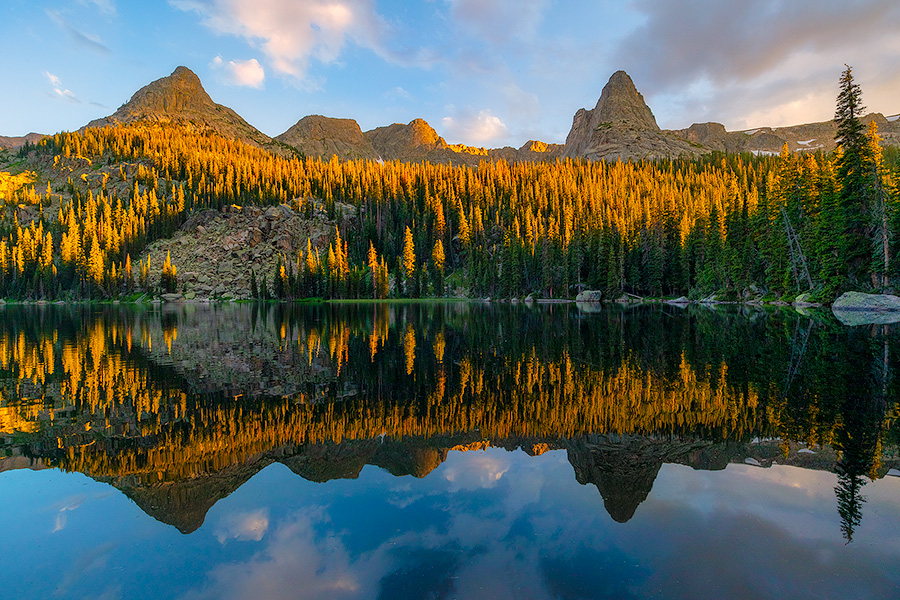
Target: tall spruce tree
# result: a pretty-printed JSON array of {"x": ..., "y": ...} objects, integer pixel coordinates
[{"x": 853, "y": 178}]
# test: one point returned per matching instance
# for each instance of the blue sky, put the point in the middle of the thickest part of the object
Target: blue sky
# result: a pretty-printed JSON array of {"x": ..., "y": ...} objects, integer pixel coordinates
[{"x": 482, "y": 72}]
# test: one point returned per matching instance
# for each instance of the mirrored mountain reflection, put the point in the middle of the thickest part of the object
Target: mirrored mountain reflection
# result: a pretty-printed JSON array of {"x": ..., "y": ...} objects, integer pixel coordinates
[{"x": 178, "y": 406}]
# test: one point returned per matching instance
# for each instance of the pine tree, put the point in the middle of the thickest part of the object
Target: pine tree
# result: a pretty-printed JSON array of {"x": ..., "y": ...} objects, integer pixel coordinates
[
  {"x": 95, "y": 262},
  {"x": 437, "y": 264},
  {"x": 372, "y": 263},
  {"x": 408, "y": 259},
  {"x": 852, "y": 177},
  {"x": 168, "y": 279}
]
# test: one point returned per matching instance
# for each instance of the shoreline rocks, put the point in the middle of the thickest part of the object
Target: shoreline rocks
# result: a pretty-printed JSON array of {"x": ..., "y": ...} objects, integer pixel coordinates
[
  {"x": 857, "y": 308},
  {"x": 589, "y": 296}
]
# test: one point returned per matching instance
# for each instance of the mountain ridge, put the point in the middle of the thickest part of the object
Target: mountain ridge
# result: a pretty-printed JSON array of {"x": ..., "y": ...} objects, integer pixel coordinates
[{"x": 621, "y": 126}]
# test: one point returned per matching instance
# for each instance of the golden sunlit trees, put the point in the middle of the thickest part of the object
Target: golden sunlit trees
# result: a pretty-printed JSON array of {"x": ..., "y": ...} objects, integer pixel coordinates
[
  {"x": 408, "y": 258},
  {"x": 676, "y": 227},
  {"x": 437, "y": 264},
  {"x": 169, "y": 276}
]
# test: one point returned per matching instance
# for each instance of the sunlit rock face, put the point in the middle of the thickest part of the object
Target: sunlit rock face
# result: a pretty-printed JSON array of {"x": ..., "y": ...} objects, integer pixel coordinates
[
  {"x": 412, "y": 141},
  {"x": 621, "y": 127},
  {"x": 324, "y": 137},
  {"x": 418, "y": 141}
]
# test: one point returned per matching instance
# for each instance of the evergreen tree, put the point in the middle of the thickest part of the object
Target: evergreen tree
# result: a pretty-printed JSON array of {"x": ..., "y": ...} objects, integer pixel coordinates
[
  {"x": 168, "y": 279},
  {"x": 254, "y": 287},
  {"x": 437, "y": 265},
  {"x": 408, "y": 259},
  {"x": 853, "y": 178}
]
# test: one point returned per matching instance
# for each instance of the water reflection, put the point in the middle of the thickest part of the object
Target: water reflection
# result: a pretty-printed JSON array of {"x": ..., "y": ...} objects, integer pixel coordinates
[{"x": 179, "y": 406}]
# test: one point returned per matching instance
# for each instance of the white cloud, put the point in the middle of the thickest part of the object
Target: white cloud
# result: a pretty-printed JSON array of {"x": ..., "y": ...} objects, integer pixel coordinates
[
  {"x": 473, "y": 128},
  {"x": 296, "y": 561},
  {"x": 59, "y": 91},
  {"x": 291, "y": 33},
  {"x": 241, "y": 72}
]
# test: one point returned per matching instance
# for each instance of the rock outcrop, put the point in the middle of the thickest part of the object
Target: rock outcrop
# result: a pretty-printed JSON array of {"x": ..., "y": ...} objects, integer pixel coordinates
[
  {"x": 180, "y": 98},
  {"x": 867, "y": 302},
  {"x": 324, "y": 137},
  {"x": 417, "y": 141},
  {"x": 215, "y": 251},
  {"x": 808, "y": 137},
  {"x": 589, "y": 296}
]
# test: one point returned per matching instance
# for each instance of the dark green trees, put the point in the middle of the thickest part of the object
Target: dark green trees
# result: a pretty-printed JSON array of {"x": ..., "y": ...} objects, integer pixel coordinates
[
  {"x": 851, "y": 173},
  {"x": 864, "y": 191}
]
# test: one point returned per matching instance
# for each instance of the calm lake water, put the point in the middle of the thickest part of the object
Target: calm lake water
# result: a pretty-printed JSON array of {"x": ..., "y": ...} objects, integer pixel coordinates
[{"x": 447, "y": 451}]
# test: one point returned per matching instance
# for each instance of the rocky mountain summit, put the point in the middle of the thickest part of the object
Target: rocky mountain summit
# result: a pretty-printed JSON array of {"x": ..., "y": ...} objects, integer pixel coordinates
[
  {"x": 180, "y": 98},
  {"x": 411, "y": 142},
  {"x": 621, "y": 127},
  {"x": 324, "y": 137}
]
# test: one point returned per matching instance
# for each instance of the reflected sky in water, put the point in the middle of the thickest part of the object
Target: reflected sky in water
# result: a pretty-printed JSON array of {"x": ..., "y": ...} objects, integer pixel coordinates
[
  {"x": 484, "y": 524},
  {"x": 447, "y": 451}
]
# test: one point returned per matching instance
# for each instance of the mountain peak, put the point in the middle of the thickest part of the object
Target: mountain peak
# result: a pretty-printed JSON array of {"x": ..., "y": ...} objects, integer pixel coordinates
[
  {"x": 180, "y": 98},
  {"x": 620, "y": 104},
  {"x": 324, "y": 137},
  {"x": 182, "y": 71},
  {"x": 167, "y": 97},
  {"x": 621, "y": 127},
  {"x": 412, "y": 141}
]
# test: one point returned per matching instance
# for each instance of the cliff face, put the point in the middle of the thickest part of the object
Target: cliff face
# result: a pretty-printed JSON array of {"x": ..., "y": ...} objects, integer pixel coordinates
[
  {"x": 808, "y": 137},
  {"x": 418, "y": 141}
]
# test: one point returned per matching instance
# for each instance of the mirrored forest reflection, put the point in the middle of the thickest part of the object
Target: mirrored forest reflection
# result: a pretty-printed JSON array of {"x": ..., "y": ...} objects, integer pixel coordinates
[{"x": 179, "y": 405}]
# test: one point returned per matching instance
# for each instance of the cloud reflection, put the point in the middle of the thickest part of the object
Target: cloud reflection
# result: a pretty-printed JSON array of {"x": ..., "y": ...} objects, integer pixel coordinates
[{"x": 243, "y": 526}]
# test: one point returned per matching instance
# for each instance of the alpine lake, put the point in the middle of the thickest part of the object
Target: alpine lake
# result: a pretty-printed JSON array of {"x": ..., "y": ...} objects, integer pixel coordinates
[{"x": 447, "y": 450}]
